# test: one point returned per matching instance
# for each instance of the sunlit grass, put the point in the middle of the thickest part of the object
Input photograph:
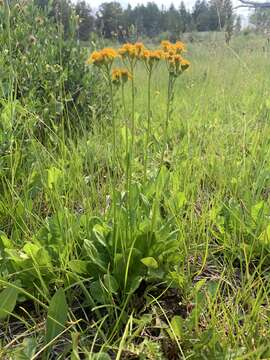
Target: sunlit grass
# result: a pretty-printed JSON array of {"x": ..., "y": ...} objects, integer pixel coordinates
[{"x": 165, "y": 257}]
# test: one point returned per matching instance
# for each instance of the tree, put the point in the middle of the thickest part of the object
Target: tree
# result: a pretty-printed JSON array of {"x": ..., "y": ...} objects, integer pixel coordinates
[
  {"x": 109, "y": 18},
  {"x": 185, "y": 18},
  {"x": 228, "y": 20},
  {"x": 200, "y": 15},
  {"x": 238, "y": 24},
  {"x": 86, "y": 20},
  {"x": 173, "y": 22},
  {"x": 261, "y": 19},
  {"x": 151, "y": 19}
]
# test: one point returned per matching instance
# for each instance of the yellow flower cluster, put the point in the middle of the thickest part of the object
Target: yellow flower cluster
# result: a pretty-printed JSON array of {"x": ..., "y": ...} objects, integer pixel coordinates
[
  {"x": 176, "y": 48},
  {"x": 131, "y": 51},
  {"x": 152, "y": 57},
  {"x": 176, "y": 64},
  {"x": 105, "y": 56},
  {"x": 120, "y": 76}
]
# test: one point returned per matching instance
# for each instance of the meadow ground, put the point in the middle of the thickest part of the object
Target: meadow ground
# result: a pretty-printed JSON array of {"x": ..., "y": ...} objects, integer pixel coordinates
[{"x": 185, "y": 273}]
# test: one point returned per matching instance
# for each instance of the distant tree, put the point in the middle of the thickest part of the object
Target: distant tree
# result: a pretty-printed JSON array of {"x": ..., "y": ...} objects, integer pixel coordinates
[
  {"x": 200, "y": 15},
  {"x": 173, "y": 22},
  {"x": 238, "y": 24},
  {"x": 229, "y": 20},
  {"x": 138, "y": 14},
  {"x": 261, "y": 19},
  {"x": 217, "y": 15},
  {"x": 185, "y": 18},
  {"x": 128, "y": 23},
  {"x": 151, "y": 19},
  {"x": 109, "y": 19},
  {"x": 86, "y": 20}
]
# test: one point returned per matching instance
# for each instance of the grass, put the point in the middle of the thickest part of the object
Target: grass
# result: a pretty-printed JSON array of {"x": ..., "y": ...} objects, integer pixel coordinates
[{"x": 188, "y": 277}]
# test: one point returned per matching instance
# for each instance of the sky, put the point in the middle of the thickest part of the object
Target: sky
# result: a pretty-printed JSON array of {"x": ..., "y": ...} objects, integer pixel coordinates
[{"x": 189, "y": 3}]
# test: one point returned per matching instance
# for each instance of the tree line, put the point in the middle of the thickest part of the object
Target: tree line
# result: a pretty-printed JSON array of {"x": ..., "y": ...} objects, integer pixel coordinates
[{"x": 112, "y": 20}]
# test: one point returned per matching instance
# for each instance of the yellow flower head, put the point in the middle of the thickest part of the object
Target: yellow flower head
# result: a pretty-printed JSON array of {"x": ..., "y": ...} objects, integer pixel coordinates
[
  {"x": 166, "y": 45},
  {"x": 156, "y": 55},
  {"x": 173, "y": 49},
  {"x": 102, "y": 57},
  {"x": 127, "y": 51},
  {"x": 120, "y": 76},
  {"x": 179, "y": 47},
  {"x": 172, "y": 53},
  {"x": 109, "y": 54},
  {"x": 176, "y": 64},
  {"x": 185, "y": 64},
  {"x": 139, "y": 49},
  {"x": 151, "y": 58},
  {"x": 145, "y": 54},
  {"x": 132, "y": 51}
]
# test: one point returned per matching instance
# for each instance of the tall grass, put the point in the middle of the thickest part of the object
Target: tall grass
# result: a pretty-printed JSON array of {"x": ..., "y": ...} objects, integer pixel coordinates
[{"x": 191, "y": 279}]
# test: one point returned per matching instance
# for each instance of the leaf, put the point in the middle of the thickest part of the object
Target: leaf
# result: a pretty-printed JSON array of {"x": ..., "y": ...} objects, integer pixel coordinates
[
  {"x": 8, "y": 299},
  {"x": 39, "y": 254},
  {"x": 199, "y": 285},
  {"x": 180, "y": 199},
  {"x": 177, "y": 326},
  {"x": 256, "y": 210},
  {"x": 97, "y": 292},
  {"x": 134, "y": 284},
  {"x": 264, "y": 237},
  {"x": 78, "y": 266},
  {"x": 150, "y": 262},
  {"x": 111, "y": 283},
  {"x": 27, "y": 349},
  {"x": 53, "y": 176},
  {"x": 57, "y": 316}
]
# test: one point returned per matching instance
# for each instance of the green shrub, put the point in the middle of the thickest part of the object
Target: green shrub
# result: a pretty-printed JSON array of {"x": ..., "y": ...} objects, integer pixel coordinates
[{"x": 45, "y": 70}]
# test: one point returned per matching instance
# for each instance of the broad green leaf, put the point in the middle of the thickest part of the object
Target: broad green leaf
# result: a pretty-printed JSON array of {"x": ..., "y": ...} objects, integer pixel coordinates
[
  {"x": 199, "y": 285},
  {"x": 8, "y": 299},
  {"x": 177, "y": 326},
  {"x": 97, "y": 292},
  {"x": 57, "y": 315},
  {"x": 256, "y": 210},
  {"x": 78, "y": 266},
  {"x": 181, "y": 199},
  {"x": 26, "y": 350},
  {"x": 38, "y": 254},
  {"x": 264, "y": 238},
  {"x": 212, "y": 288},
  {"x": 111, "y": 283},
  {"x": 150, "y": 262},
  {"x": 5, "y": 242},
  {"x": 135, "y": 283},
  {"x": 53, "y": 176}
]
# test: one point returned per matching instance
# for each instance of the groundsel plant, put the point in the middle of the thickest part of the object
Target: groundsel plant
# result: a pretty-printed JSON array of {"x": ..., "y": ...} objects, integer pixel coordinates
[{"x": 129, "y": 55}]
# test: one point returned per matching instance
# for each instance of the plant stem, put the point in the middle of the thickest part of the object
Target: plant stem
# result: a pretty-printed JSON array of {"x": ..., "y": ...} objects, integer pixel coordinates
[
  {"x": 114, "y": 157},
  {"x": 168, "y": 111},
  {"x": 131, "y": 155},
  {"x": 127, "y": 156},
  {"x": 148, "y": 125}
]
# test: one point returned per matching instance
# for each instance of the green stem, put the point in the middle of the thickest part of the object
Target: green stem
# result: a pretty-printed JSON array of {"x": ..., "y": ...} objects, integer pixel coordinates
[
  {"x": 168, "y": 111},
  {"x": 148, "y": 125},
  {"x": 131, "y": 155},
  {"x": 127, "y": 156},
  {"x": 114, "y": 156}
]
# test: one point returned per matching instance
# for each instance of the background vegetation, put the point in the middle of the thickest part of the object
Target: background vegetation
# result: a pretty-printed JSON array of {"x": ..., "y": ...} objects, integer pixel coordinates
[
  {"x": 191, "y": 278},
  {"x": 112, "y": 21}
]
